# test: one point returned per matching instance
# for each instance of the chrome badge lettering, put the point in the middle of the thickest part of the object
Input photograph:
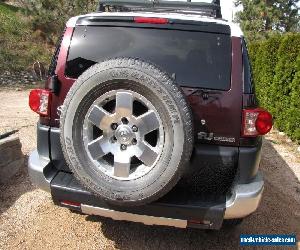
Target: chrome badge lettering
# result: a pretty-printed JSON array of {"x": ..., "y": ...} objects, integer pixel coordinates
[
  {"x": 205, "y": 136},
  {"x": 224, "y": 139},
  {"x": 211, "y": 137}
]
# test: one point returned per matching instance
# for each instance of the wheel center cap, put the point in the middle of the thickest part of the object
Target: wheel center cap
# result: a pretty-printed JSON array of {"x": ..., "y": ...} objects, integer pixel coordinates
[{"x": 124, "y": 134}]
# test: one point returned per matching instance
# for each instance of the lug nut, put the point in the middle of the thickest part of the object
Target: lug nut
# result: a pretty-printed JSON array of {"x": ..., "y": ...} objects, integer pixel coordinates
[
  {"x": 135, "y": 128},
  {"x": 114, "y": 126},
  {"x": 123, "y": 147}
]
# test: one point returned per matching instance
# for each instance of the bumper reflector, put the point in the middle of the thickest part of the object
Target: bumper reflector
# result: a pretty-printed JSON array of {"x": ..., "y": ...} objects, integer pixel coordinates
[{"x": 71, "y": 204}]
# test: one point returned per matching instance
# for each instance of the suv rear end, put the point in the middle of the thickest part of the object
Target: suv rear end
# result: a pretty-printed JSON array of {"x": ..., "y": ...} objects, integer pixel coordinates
[{"x": 207, "y": 58}]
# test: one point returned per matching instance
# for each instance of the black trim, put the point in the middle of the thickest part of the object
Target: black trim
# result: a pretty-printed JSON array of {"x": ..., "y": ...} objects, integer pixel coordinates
[
  {"x": 248, "y": 162},
  {"x": 54, "y": 84},
  {"x": 178, "y": 204},
  {"x": 249, "y": 101},
  {"x": 174, "y": 24},
  {"x": 205, "y": 159},
  {"x": 57, "y": 157},
  {"x": 247, "y": 70},
  {"x": 54, "y": 58},
  {"x": 43, "y": 144},
  {"x": 212, "y": 169}
]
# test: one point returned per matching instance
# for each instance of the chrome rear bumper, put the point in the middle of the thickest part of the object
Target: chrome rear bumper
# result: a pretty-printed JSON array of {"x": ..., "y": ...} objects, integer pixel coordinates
[{"x": 245, "y": 198}]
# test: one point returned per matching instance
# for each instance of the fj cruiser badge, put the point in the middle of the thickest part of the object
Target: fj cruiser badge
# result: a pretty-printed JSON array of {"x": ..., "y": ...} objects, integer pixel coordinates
[
  {"x": 205, "y": 136},
  {"x": 211, "y": 137}
]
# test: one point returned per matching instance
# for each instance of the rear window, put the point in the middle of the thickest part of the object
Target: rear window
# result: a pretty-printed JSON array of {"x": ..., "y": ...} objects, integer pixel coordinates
[{"x": 196, "y": 59}]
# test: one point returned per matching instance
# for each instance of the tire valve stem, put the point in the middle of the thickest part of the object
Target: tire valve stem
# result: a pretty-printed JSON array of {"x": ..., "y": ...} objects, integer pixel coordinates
[{"x": 123, "y": 147}]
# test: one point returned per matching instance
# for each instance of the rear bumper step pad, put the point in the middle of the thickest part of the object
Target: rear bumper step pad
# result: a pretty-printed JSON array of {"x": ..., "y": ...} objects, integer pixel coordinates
[{"x": 177, "y": 210}]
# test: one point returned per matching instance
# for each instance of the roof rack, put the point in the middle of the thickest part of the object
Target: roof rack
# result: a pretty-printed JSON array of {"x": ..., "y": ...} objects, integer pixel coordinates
[{"x": 212, "y": 9}]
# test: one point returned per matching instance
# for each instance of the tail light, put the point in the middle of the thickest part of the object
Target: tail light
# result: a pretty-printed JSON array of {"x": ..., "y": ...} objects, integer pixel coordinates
[
  {"x": 152, "y": 20},
  {"x": 39, "y": 101},
  {"x": 256, "y": 122}
]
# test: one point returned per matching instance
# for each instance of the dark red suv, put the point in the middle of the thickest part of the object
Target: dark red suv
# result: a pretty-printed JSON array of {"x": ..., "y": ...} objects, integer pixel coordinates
[{"x": 149, "y": 115}]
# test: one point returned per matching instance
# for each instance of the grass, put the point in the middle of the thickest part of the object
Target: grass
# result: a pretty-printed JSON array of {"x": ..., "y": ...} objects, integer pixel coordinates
[
  {"x": 8, "y": 9},
  {"x": 19, "y": 45}
]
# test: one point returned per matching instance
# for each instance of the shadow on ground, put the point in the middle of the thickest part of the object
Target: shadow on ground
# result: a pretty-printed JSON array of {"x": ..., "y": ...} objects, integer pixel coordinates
[
  {"x": 13, "y": 189},
  {"x": 279, "y": 213}
]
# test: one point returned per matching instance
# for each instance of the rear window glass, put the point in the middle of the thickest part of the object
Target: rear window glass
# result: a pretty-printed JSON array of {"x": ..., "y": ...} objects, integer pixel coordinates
[{"x": 196, "y": 59}]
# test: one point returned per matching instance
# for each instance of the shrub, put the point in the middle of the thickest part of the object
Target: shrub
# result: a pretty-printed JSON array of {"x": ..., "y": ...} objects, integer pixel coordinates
[{"x": 276, "y": 70}]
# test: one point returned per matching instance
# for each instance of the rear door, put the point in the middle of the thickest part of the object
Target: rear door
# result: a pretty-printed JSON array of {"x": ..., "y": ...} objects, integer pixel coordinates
[{"x": 202, "y": 58}]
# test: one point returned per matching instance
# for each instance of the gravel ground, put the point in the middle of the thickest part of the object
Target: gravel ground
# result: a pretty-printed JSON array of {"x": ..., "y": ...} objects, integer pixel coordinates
[{"x": 29, "y": 220}]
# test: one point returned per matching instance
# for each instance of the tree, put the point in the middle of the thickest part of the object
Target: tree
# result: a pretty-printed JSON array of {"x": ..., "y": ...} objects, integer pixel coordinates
[
  {"x": 49, "y": 17},
  {"x": 259, "y": 18}
]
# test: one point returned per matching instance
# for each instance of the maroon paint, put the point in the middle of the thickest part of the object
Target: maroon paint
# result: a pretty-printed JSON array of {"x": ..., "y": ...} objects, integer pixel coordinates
[
  {"x": 65, "y": 82},
  {"x": 223, "y": 115}
]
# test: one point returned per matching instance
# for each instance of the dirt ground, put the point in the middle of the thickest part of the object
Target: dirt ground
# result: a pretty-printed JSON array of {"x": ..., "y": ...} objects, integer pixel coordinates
[{"x": 29, "y": 220}]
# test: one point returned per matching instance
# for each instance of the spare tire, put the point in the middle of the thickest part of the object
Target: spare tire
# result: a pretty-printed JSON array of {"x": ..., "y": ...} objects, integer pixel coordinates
[{"x": 126, "y": 131}]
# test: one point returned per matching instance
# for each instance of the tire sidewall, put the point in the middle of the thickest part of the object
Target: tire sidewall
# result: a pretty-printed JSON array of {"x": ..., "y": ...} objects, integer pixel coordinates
[{"x": 168, "y": 168}]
